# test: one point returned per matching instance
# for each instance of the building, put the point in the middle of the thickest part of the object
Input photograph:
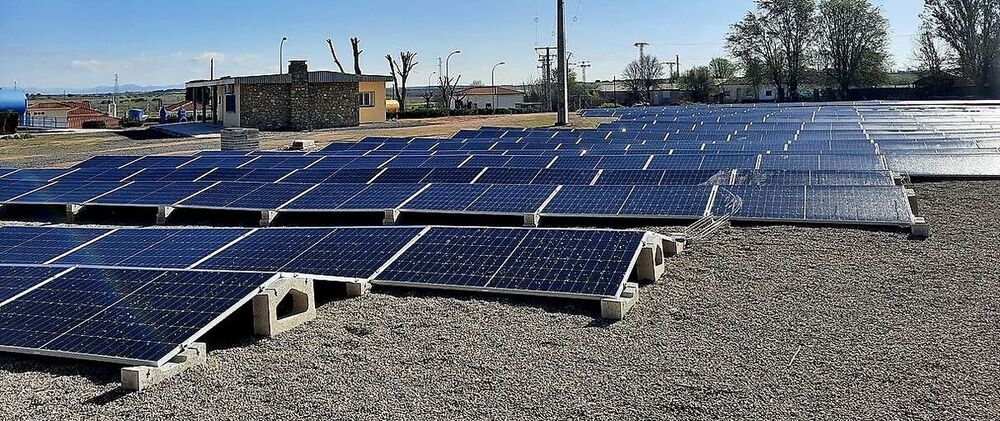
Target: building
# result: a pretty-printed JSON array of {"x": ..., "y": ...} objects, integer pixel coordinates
[
  {"x": 738, "y": 89},
  {"x": 297, "y": 100},
  {"x": 483, "y": 97},
  {"x": 67, "y": 114},
  {"x": 618, "y": 92}
]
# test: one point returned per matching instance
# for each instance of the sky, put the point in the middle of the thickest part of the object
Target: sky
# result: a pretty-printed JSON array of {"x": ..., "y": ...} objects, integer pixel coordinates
[{"x": 56, "y": 44}]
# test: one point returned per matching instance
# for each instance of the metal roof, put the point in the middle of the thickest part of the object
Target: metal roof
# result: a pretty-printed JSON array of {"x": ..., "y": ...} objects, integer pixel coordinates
[{"x": 314, "y": 77}]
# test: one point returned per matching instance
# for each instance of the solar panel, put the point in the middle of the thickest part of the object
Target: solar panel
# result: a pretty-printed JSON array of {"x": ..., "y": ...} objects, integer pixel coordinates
[
  {"x": 579, "y": 263},
  {"x": 158, "y": 161},
  {"x": 68, "y": 193},
  {"x": 629, "y": 177},
  {"x": 122, "y": 316},
  {"x": 97, "y": 174},
  {"x": 695, "y": 178},
  {"x": 152, "y": 248},
  {"x": 452, "y": 175},
  {"x": 16, "y": 279},
  {"x": 858, "y": 204},
  {"x": 341, "y": 252},
  {"x": 106, "y": 161},
  {"x": 169, "y": 174},
  {"x": 235, "y": 195},
  {"x": 326, "y": 197},
  {"x": 588, "y": 200},
  {"x": 508, "y": 176},
  {"x": 765, "y": 203},
  {"x": 150, "y": 193},
  {"x": 851, "y": 178},
  {"x": 945, "y": 165},
  {"x": 37, "y": 245},
  {"x": 565, "y": 177},
  {"x": 259, "y": 175},
  {"x": 667, "y": 201},
  {"x": 402, "y": 175},
  {"x": 381, "y": 196},
  {"x": 772, "y": 178},
  {"x": 37, "y": 174},
  {"x": 12, "y": 189},
  {"x": 511, "y": 199},
  {"x": 447, "y": 197}
]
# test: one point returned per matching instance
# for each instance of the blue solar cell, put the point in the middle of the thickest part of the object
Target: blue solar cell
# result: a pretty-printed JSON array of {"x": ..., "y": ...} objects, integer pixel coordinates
[
  {"x": 511, "y": 199},
  {"x": 772, "y": 178},
  {"x": 16, "y": 279},
  {"x": 667, "y": 201},
  {"x": 588, "y": 200},
  {"x": 37, "y": 245},
  {"x": 858, "y": 204},
  {"x": 260, "y": 175},
  {"x": 445, "y": 161},
  {"x": 97, "y": 174},
  {"x": 586, "y": 162},
  {"x": 12, "y": 189},
  {"x": 126, "y": 316},
  {"x": 727, "y": 162},
  {"x": 695, "y": 178},
  {"x": 675, "y": 162},
  {"x": 326, "y": 197},
  {"x": 224, "y": 161},
  {"x": 565, "y": 177},
  {"x": 265, "y": 250},
  {"x": 68, "y": 193},
  {"x": 790, "y": 162},
  {"x": 629, "y": 177},
  {"x": 381, "y": 196},
  {"x": 152, "y": 248},
  {"x": 267, "y": 196},
  {"x": 151, "y": 193},
  {"x": 851, "y": 178},
  {"x": 159, "y": 162},
  {"x": 447, "y": 197},
  {"x": 850, "y": 162},
  {"x": 483, "y": 161},
  {"x": 528, "y": 161},
  {"x": 293, "y": 162},
  {"x": 624, "y": 162}
]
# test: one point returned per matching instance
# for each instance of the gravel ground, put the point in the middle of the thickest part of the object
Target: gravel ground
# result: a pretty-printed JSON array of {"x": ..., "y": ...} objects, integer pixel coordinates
[{"x": 761, "y": 322}]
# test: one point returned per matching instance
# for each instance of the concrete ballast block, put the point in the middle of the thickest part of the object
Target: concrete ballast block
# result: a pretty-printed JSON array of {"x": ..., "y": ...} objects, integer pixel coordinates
[
  {"x": 616, "y": 308},
  {"x": 267, "y": 321},
  {"x": 142, "y": 377}
]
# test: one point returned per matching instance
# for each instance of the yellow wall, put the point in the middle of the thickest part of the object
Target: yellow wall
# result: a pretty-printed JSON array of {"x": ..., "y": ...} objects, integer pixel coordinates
[{"x": 375, "y": 114}]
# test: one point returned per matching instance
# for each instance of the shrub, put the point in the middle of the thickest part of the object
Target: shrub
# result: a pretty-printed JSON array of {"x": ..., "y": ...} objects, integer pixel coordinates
[{"x": 8, "y": 122}]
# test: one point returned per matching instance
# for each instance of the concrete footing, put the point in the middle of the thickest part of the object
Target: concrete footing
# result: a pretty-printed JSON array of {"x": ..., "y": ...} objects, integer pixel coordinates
[
  {"x": 357, "y": 289},
  {"x": 391, "y": 216},
  {"x": 531, "y": 220},
  {"x": 142, "y": 377},
  {"x": 266, "y": 319},
  {"x": 674, "y": 244},
  {"x": 616, "y": 308},
  {"x": 298, "y": 145},
  {"x": 911, "y": 197},
  {"x": 162, "y": 213},
  {"x": 267, "y": 217},
  {"x": 920, "y": 228},
  {"x": 650, "y": 265}
]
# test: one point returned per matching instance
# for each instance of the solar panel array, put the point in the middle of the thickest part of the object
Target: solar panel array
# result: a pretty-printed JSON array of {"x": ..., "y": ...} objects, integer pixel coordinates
[
  {"x": 646, "y": 164},
  {"x": 139, "y": 295}
]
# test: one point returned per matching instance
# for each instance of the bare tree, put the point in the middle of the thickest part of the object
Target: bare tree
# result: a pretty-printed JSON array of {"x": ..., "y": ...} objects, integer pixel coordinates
[
  {"x": 699, "y": 81},
  {"x": 447, "y": 89},
  {"x": 643, "y": 74},
  {"x": 402, "y": 69},
  {"x": 853, "y": 42},
  {"x": 333, "y": 52},
  {"x": 792, "y": 22},
  {"x": 972, "y": 29},
  {"x": 929, "y": 55},
  {"x": 356, "y": 47}
]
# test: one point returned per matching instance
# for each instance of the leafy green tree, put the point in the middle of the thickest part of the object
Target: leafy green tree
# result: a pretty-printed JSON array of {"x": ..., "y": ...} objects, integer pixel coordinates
[
  {"x": 853, "y": 43},
  {"x": 701, "y": 84},
  {"x": 972, "y": 29}
]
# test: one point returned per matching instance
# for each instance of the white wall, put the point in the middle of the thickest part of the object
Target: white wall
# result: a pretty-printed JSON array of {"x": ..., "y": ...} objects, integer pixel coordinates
[{"x": 503, "y": 101}]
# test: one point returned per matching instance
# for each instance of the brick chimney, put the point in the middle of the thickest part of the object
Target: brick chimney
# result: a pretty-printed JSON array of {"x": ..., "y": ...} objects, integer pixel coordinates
[{"x": 299, "y": 95}]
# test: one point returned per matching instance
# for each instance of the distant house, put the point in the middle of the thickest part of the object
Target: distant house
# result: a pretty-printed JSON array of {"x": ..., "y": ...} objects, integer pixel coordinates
[
  {"x": 67, "y": 114},
  {"x": 297, "y": 100},
  {"x": 483, "y": 97},
  {"x": 618, "y": 92},
  {"x": 738, "y": 89}
]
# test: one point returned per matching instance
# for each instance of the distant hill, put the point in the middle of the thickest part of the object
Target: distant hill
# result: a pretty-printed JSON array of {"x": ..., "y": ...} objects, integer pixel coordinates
[{"x": 98, "y": 89}]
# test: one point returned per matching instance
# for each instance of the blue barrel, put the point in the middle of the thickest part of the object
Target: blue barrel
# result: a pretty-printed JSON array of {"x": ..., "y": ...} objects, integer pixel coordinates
[{"x": 136, "y": 114}]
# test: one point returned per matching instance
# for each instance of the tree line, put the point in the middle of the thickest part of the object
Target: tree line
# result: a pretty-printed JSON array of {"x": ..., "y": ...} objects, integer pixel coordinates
[{"x": 840, "y": 44}]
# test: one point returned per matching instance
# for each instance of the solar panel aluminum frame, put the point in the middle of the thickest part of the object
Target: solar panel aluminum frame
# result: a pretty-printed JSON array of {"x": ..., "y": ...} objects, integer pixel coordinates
[
  {"x": 619, "y": 216},
  {"x": 647, "y": 238},
  {"x": 284, "y": 208},
  {"x": 153, "y": 363},
  {"x": 181, "y": 205}
]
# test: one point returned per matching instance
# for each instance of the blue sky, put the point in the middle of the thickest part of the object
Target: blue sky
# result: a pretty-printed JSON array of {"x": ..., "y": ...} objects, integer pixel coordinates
[{"x": 71, "y": 43}]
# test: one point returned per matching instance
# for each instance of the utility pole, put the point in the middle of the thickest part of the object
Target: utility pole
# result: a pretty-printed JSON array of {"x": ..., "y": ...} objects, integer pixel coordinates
[
  {"x": 562, "y": 118},
  {"x": 546, "y": 66},
  {"x": 671, "y": 65},
  {"x": 113, "y": 106},
  {"x": 641, "y": 45},
  {"x": 584, "y": 64},
  {"x": 678, "y": 64}
]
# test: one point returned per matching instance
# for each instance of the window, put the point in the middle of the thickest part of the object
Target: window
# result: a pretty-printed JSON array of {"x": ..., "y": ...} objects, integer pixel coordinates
[
  {"x": 367, "y": 99},
  {"x": 767, "y": 93},
  {"x": 230, "y": 103}
]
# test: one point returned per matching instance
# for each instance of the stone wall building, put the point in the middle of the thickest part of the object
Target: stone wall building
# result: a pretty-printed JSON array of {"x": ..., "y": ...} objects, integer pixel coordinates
[{"x": 297, "y": 100}]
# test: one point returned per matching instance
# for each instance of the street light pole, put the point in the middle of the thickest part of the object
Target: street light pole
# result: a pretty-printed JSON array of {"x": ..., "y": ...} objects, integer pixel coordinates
[
  {"x": 429, "y": 91},
  {"x": 447, "y": 77},
  {"x": 281, "y": 47},
  {"x": 493, "y": 82}
]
